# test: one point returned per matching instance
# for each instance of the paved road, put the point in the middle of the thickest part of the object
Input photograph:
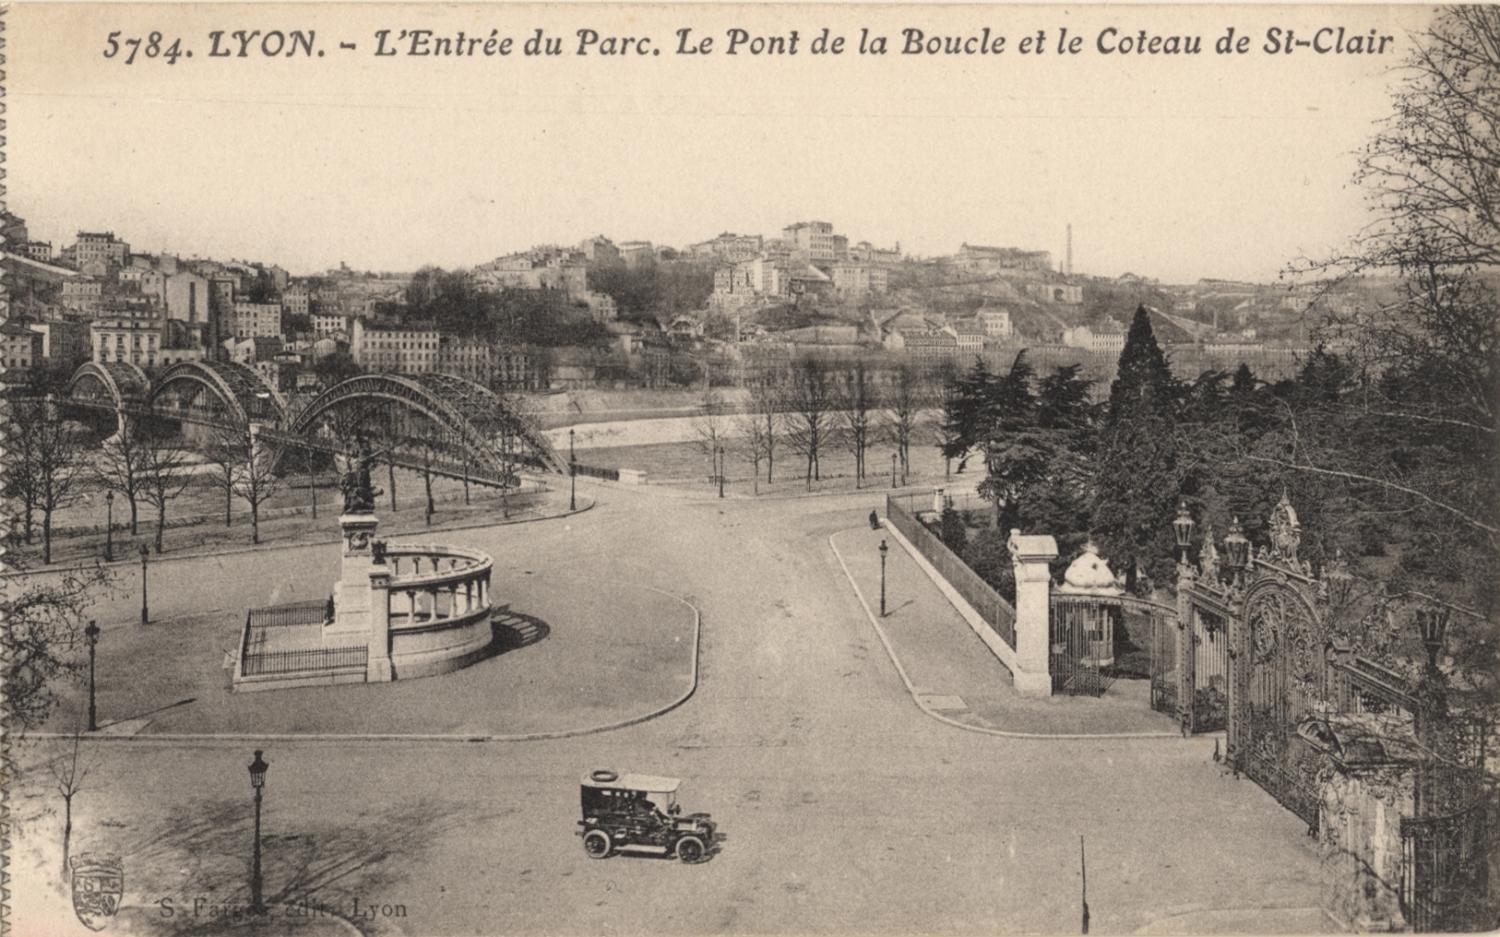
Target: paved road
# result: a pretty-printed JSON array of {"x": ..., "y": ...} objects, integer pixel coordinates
[{"x": 846, "y": 808}]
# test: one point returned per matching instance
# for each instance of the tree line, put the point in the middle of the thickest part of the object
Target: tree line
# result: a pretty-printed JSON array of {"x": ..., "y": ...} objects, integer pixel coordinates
[{"x": 817, "y": 405}]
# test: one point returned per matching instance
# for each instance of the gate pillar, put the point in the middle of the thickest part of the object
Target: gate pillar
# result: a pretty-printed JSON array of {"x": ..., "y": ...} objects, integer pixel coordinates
[
  {"x": 1030, "y": 556},
  {"x": 1186, "y": 629}
]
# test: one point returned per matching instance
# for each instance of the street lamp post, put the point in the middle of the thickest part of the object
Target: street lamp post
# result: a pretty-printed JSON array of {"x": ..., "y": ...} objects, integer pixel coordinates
[
  {"x": 572, "y": 474},
  {"x": 91, "y": 633},
  {"x": 893, "y": 470},
  {"x": 1432, "y": 791},
  {"x": 720, "y": 459},
  {"x": 257, "y": 781},
  {"x": 109, "y": 526},
  {"x": 145, "y": 613},
  {"x": 883, "y": 551}
]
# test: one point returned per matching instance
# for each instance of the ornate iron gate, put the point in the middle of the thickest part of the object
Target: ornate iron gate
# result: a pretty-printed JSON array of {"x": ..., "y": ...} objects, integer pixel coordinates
[
  {"x": 1278, "y": 674},
  {"x": 1206, "y": 607},
  {"x": 1082, "y": 630}
]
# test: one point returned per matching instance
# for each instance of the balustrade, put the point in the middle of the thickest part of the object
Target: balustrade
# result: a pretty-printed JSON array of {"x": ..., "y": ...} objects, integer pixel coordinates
[{"x": 440, "y": 584}]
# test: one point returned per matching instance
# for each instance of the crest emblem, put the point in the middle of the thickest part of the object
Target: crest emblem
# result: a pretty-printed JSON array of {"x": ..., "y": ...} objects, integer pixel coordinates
[{"x": 98, "y": 884}]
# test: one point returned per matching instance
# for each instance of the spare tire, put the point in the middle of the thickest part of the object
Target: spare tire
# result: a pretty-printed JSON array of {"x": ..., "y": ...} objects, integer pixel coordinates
[{"x": 605, "y": 776}]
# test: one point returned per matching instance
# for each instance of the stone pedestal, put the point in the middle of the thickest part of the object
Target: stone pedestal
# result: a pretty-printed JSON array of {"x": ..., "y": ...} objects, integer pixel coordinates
[
  {"x": 1030, "y": 555},
  {"x": 378, "y": 664},
  {"x": 351, "y": 595}
]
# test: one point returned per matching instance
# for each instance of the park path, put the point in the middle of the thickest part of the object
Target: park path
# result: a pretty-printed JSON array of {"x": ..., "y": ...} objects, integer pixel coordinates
[{"x": 954, "y": 674}]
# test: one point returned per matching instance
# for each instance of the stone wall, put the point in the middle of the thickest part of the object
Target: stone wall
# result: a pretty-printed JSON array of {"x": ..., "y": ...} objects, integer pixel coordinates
[{"x": 1360, "y": 844}]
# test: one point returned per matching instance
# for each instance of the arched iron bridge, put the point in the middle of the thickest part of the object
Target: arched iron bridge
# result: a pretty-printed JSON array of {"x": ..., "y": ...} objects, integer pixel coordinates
[{"x": 434, "y": 422}]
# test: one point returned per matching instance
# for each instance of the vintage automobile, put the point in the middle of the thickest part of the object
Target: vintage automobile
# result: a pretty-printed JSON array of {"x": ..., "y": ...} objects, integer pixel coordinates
[{"x": 640, "y": 812}]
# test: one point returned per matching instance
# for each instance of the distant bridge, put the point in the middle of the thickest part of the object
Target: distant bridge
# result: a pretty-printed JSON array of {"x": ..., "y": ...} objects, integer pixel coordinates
[{"x": 428, "y": 422}]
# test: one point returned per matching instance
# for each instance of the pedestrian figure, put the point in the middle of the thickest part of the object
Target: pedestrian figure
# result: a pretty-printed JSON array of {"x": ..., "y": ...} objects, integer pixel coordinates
[{"x": 874, "y": 521}]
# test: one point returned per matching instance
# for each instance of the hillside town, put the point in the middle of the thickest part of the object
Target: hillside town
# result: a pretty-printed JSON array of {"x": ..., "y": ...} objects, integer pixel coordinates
[
  {"x": 626, "y": 314},
  {"x": 547, "y": 579}
]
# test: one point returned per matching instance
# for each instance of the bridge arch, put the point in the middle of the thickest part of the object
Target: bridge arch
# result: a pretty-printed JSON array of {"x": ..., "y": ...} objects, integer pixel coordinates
[
  {"x": 241, "y": 390},
  {"x": 470, "y": 418},
  {"x": 119, "y": 381}
]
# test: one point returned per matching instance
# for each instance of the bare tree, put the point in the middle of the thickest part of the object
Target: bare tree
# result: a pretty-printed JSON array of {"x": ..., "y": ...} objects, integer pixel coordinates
[
  {"x": 766, "y": 392},
  {"x": 391, "y": 439},
  {"x": 755, "y": 441},
  {"x": 429, "y": 447},
  {"x": 19, "y": 475},
  {"x": 946, "y": 379},
  {"x": 711, "y": 426},
  {"x": 810, "y": 403},
  {"x": 69, "y": 772},
  {"x": 855, "y": 395},
  {"x": 222, "y": 454},
  {"x": 54, "y": 450},
  {"x": 117, "y": 467},
  {"x": 165, "y": 474},
  {"x": 41, "y": 641},
  {"x": 253, "y": 479},
  {"x": 905, "y": 403}
]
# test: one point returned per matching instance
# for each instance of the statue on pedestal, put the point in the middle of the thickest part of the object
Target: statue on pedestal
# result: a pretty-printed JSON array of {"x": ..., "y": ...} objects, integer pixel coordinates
[{"x": 354, "y": 479}]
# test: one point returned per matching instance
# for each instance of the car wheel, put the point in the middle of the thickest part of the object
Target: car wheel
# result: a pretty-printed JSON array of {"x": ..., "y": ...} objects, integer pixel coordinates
[
  {"x": 597, "y": 844},
  {"x": 690, "y": 849}
]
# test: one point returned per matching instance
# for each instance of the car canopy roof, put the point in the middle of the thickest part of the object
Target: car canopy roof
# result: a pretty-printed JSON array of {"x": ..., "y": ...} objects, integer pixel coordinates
[{"x": 651, "y": 783}]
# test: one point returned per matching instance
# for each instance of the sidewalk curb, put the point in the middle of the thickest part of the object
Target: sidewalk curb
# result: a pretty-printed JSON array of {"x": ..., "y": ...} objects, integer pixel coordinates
[
  {"x": 288, "y": 545},
  {"x": 911, "y": 689},
  {"x": 1188, "y": 911},
  {"x": 681, "y": 492},
  {"x": 425, "y": 737}
]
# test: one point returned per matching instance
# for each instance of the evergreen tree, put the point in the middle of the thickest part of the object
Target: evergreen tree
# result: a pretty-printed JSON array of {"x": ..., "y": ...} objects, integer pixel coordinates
[
  {"x": 1039, "y": 469},
  {"x": 1136, "y": 468},
  {"x": 964, "y": 406}
]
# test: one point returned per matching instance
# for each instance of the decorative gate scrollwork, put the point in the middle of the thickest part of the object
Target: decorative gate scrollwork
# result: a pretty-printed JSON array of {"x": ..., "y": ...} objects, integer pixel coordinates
[{"x": 1278, "y": 673}]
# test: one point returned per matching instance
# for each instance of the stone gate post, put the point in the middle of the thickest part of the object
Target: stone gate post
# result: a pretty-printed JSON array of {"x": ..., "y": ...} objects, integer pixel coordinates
[
  {"x": 1186, "y": 641},
  {"x": 1030, "y": 555}
]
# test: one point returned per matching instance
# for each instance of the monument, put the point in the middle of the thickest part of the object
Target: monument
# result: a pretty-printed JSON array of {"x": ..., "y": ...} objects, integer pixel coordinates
[
  {"x": 397, "y": 611},
  {"x": 351, "y": 594}
]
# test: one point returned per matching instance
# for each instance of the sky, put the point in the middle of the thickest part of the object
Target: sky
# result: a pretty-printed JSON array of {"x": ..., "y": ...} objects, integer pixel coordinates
[{"x": 1169, "y": 166}]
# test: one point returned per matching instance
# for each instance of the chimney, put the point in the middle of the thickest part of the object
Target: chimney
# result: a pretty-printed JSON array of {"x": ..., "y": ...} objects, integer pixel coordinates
[{"x": 1068, "y": 263}]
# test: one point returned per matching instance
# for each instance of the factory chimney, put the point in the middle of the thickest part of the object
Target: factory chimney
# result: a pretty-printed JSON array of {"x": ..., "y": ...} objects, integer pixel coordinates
[{"x": 1068, "y": 262}]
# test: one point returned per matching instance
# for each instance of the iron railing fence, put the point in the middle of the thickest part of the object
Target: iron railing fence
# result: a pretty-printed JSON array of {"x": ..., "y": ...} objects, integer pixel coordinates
[
  {"x": 315, "y": 660},
  {"x": 260, "y": 621},
  {"x": 313, "y": 612},
  {"x": 594, "y": 471},
  {"x": 999, "y": 614},
  {"x": 1445, "y": 880},
  {"x": 1081, "y": 643}
]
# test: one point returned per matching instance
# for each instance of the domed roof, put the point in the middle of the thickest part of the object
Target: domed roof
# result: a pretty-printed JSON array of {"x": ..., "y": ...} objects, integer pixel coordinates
[{"x": 1090, "y": 574}]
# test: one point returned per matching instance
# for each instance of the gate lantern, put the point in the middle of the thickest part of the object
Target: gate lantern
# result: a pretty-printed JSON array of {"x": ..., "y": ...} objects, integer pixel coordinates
[
  {"x": 1433, "y": 622},
  {"x": 1182, "y": 529},
  {"x": 1236, "y": 551}
]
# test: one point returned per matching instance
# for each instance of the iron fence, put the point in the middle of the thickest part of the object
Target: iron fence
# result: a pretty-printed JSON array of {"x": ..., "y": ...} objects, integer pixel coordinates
[
  {"x": 594, "y": 471},
  {"x": 996, "y": 611},
  {"x": 1445, "y": 869},
  {"x": 1081, "y": 643},
  {"x": 313, "y": 660},
  {"x": 312, "y": 612}
]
